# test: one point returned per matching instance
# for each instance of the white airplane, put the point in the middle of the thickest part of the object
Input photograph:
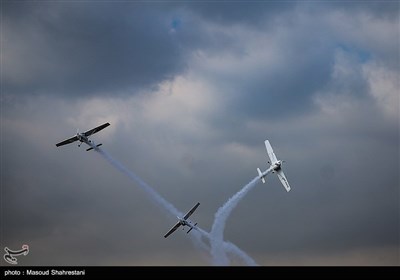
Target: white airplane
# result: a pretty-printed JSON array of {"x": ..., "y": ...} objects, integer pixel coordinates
[
  {"x": 276, "y": 166},
  {"x": 184, "y": 221},
  {"x": 84, "y": 137}
]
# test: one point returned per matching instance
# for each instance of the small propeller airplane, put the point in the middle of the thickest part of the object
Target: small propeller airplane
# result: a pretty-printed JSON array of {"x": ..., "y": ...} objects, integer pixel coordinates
[
  {"x": 276, "y": 166},
  {"x": 184, "y": 221},
  {"x": 84, "y": 138}
]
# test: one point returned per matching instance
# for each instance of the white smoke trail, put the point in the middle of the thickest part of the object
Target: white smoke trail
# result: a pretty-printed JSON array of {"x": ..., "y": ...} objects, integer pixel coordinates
[
  {"x": 196, "y": 238},
  {"x": 155, "y": 197},
  {"x": 232, "y": 248},
  {"x": 217, "y": 229},
  {"x": 152, "y": 193}
]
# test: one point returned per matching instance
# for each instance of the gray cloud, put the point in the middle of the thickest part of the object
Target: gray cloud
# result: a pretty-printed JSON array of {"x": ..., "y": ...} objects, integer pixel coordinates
[{"x": 79, "y": 49}]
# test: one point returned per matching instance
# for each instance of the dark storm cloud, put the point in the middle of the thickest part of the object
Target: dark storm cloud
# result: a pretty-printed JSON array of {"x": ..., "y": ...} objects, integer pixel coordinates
[
  {"x": 86, "y": 48},
  {"x": 305, "y": 53},
  {"x": 380, "y": 9},
  {"x": 256, "y": 12},
  {"x": 239, "y": 12},
  {"x": 307, "y": 72}
]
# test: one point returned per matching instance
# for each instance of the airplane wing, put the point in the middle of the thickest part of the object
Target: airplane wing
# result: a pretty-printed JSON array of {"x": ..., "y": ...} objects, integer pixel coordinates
[
  {"x": 175, "y": 227},
  {"x": 283, "y": 179},
  {"x": 270, "y": 152},
  {"x": 68, "y": 141},
  {"x": 96, "y": 129},
  {"x": 191, "y": 211}
]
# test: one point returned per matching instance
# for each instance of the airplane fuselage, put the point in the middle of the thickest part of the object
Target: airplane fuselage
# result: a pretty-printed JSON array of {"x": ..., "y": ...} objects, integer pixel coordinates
[
  {"x": 84, "y": 139},
  {"x": 276, "y": 166},
  {"x": 184, "y": 222}
]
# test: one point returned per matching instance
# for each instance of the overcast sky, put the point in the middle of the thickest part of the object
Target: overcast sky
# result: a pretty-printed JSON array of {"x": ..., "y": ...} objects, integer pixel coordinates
[{"x": 192, "y": 90}]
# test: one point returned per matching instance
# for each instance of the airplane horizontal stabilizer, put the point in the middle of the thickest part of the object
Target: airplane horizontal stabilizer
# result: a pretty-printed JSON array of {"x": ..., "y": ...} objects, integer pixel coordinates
[
  {"x": 261, "y": 175},
  {"x": 191, "y": 228},
  {"x": 91, "y": 148}
]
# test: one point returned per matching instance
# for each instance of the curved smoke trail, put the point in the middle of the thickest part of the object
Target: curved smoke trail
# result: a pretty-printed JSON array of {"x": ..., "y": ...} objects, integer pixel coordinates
[
  {"x": 217, "y": 229},
  {"x": 198, "y": 242},
  {"x": 231, "y": 248}
]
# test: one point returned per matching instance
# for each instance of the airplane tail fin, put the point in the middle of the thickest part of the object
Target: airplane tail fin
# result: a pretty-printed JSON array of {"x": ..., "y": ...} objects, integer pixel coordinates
[{"x": 261, "y": 175}]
